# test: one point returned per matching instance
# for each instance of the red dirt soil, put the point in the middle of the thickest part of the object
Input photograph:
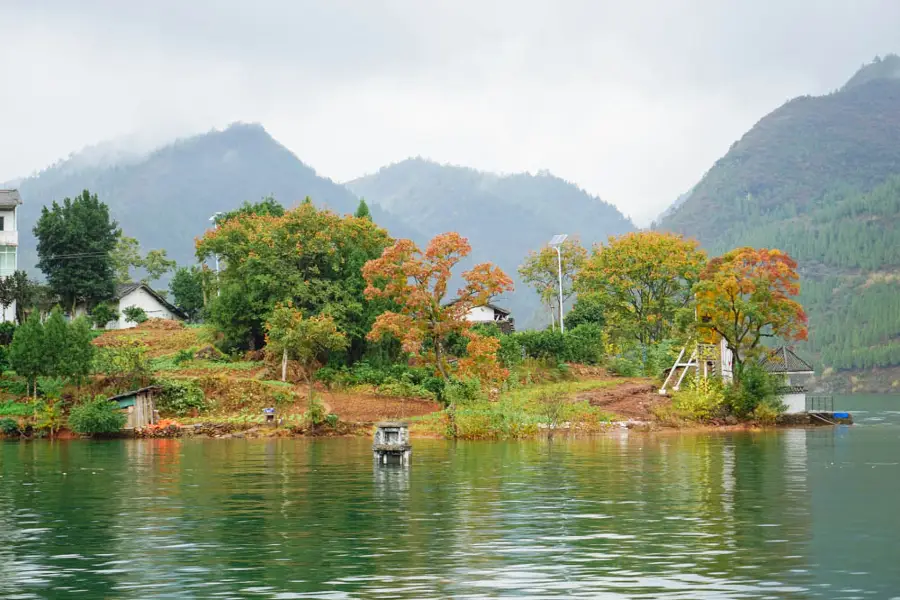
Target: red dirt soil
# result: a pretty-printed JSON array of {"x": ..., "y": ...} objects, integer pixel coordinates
[
  {"x": 629, "y": 400},
  {"x": 357, "y": 408}
]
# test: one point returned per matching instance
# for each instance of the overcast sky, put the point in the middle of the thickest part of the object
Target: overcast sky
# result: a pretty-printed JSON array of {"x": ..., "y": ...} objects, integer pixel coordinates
[{"x": 631, "y": 100}]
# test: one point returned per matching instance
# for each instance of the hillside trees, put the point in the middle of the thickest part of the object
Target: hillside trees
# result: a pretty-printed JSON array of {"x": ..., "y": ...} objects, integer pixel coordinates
[
  {"x": 642, "y": 280},
  {"x": 75, "y": 241},
  {"x": 541, "y": 271},
  {"x": 187, "y": 290},
  {"x": 416, "y": 282},
  {"x": 747, "y": 295},
  {"x": 308, "y": 341},
  {"x": 311, "y": 259}
]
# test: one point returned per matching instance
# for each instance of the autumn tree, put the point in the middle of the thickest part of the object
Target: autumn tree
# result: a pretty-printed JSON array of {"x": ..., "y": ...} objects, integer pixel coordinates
[
  {"x": 642, "y": 279},
  {"x": 416, "y": 282},
  {"x": 747, "y": 295},
  {"x": 310, "y": 258},
  {"x": 307, "y": 341},
  {"x": 541, "y": 271}
]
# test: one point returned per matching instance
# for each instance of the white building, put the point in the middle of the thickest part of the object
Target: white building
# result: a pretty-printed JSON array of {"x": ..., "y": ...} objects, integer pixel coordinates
[
  {"x": 794, "y": 371},
  {"x": 143, "y": 296},
  {"x": 9, "y": 241},
  {"x": 491, "y": 313}
]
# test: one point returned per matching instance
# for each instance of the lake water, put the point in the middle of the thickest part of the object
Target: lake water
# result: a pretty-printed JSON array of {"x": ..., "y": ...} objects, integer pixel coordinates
[{"x": 780, "y": 514}]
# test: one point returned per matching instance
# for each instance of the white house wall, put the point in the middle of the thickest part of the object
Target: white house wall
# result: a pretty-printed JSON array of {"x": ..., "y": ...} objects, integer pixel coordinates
[
  {"x": 142, "y": 299},
  {"x": 795, "y": 403},
  {"x": 480, "y": 314}
]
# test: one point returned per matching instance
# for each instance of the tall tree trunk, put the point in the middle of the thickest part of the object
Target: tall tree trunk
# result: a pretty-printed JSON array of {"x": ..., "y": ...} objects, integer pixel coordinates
[
  {"x": 451, "y": 408},
  {"x": 284, "y": 358}
]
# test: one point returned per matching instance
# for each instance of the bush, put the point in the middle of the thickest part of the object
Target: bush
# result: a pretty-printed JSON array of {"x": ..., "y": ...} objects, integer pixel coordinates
[
  {"x": 9, "y": 427},
  {"x": 543, "y": 344},
  {"x": 703, "y": 399},
  {"x": 511, "y": 352},
  {"x": 97, "y": 416},
  {"x": 48, "y": 417},
  {"x": 766, "y": 414},
  {"x": 462, "y": 392},
  {"x": 757, "y": 387},
  {"x": 584, "y": 344},
  {"x": 183, "y": 356},
  {"x": 7, "y": 330},
  {"x": 134, "y": 314},
  {"x": 16, "y": 409},
  {"x": 179, "y": 397},
  {"x": 102, "y": 314},
  {"x": 127, "y": 361}
]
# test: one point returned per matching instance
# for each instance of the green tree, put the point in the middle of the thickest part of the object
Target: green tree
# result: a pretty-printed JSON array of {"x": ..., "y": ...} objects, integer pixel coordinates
[
  {"x": 157, "y": 264},
  {"x": 310, "y": 258},
  {"x": 96, "y": 416},
  {"x": 187, "y": 291},
  {"x": 362, "y": 211},
  {"x": 75, "y": 244},
  {"x": 78, "y": 360},
  {"x": 541, "y": 271},
  {"x": 7, "y": 293},
  {"x": 308, "y": 341},
  {"x": 55, "y": 343},
  {"x": 26, "y": 352},
  {"x": 23, "y": 294},
  {"x": 268, "y": 207},
  {"x": 126, "y": 255}
]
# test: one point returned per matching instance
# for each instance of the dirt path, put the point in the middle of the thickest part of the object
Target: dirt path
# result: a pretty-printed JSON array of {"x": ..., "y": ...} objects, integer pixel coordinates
[{"x": 629, "y": 400}]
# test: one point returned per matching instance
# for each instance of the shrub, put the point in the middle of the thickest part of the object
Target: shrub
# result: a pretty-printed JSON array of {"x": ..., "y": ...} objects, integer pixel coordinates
[
  {"x": 8, "y": 427},
  {"x": 511, "y": 352},
  {"x": 179, "y": 397},
  {"x": 127, "y": 361},
  {"x": 543, "y": 344},
  {"x": 462, "y": 392},
  {"x": 51, "y": 387},
  {"x": 332, "y": 420},
  {"x": 7, "y": 330},
  {"x": 183, "y": 356},
  {"x": 102, "y": 314},
  {"x": 757, "y": 387},
  {"x": 48, "y": 417},
  {"x": 584, "y": 344},
  {"x": 766, "y": 414},
  {"x": 134, "y": 314},
  {"x": 703, "y": 399},
  {"x": 97, "y": 416},
  {"x": 16, "y": 409}
]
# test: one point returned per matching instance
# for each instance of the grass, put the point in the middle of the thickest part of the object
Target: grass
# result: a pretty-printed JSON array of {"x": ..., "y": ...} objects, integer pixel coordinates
[
  {"x": 11, "y": 408},
  {"x": 167, "y": 364},
  {"x": 523, "y": 412}
]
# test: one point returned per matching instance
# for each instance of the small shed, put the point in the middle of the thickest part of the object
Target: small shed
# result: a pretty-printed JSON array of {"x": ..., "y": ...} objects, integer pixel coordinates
[
  {"x": 794, "y": 370},
  {"x": 139, "y": 406}
]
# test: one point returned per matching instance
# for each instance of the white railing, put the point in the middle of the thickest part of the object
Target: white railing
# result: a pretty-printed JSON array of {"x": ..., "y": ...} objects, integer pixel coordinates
[{"x": 9, "y": 238}]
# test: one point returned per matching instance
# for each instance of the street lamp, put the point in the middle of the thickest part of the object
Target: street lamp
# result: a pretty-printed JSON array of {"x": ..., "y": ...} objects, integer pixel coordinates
[
  {"x": 556, "y": 243},
  {"x": 215, "y": 221}
]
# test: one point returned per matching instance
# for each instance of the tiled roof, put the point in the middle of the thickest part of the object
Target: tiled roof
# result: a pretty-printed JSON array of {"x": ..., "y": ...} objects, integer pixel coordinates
[{"x": 783, "y": 360}]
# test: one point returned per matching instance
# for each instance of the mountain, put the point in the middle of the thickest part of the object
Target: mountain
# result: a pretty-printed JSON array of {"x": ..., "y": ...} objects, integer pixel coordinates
[
  {"x": 165, "y": 197},
  {"x": 820, "y": 178},
  {"x": 504, "y": 217}
]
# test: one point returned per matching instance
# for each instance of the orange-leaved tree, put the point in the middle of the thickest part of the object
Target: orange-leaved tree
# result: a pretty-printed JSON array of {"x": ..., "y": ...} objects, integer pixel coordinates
[
  {"x": 643, "y": 280},
  {"x": 416, "y": 282},
  {"x": 747, "y": 295}
]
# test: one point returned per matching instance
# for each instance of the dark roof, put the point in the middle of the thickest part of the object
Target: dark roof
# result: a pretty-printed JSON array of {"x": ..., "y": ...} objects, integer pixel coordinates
[
  {"x": 134, "y": 392},
  {"x": 10, "y": 198},
  {"x": 783, "y": 360},
  {"x": 123, "y": 289}
]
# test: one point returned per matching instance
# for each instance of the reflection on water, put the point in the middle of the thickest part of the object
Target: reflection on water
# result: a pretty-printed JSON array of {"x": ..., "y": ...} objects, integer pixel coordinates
[{"x": 780, "y": 514}]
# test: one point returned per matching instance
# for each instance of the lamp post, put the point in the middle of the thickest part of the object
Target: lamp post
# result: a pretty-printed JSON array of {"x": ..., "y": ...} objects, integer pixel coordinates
[
  {"x": 214, "y": 220},
  {"x": 556, "y": 244}
]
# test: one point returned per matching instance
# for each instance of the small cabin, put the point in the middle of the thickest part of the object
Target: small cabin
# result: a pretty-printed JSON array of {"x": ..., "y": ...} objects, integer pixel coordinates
[
  {"x": 139, "y": 406},
  {"x": 490, "y": 313},
  {"x": 794, "y": 372}
]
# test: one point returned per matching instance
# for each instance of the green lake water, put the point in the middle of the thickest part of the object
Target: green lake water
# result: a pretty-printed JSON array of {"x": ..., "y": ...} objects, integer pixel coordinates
[{"x": 779, "y": 514}]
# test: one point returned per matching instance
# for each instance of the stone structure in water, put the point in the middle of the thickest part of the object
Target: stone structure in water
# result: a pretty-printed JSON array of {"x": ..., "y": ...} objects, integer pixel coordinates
[{"x": 392, "y": 443}]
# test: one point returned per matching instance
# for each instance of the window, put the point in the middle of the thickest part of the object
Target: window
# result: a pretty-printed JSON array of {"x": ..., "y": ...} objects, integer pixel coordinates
[
  {"x": 2, "y": 228},
  {"x": 7, "y": 260}
]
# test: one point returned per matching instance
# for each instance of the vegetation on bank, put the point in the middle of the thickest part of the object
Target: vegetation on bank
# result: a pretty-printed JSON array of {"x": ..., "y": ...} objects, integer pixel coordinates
[{"x": 306, "y": 301}]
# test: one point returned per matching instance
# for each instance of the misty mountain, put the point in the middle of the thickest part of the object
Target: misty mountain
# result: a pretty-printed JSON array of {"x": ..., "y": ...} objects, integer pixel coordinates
[
  {"x": 504, "y": 217},
  {"x": 819, "y": 177},
  {"x": 165, "y": 197}
]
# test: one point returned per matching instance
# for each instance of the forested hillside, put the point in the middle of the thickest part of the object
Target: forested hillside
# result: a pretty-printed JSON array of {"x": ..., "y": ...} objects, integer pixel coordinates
[
  {"x": 820, "y": 178},
  {"x": 165, "y": 198},
  {"x": 504, "y": 217}
]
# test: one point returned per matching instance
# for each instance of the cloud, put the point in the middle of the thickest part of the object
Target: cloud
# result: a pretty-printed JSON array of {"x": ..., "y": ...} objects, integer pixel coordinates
[{"x": 633, "y": 101}]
